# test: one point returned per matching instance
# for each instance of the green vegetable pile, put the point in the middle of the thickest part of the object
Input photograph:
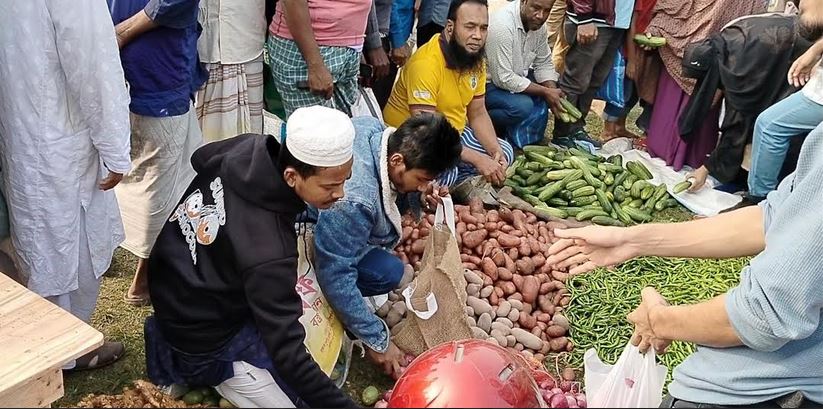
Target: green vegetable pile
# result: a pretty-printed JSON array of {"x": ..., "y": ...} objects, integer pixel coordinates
[
  {"x": 574, "y": 183},
  {"x": 601, "y": 300}
]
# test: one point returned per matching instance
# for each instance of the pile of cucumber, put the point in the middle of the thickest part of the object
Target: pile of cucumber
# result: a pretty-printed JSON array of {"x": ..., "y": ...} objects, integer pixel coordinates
[{"x": 573, "y": 183}]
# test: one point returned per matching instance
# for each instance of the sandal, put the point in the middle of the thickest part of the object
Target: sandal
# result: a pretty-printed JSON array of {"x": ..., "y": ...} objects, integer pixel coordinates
[
  {"x": 107, "y": 354},
  {"x": 136, "y": 301}
]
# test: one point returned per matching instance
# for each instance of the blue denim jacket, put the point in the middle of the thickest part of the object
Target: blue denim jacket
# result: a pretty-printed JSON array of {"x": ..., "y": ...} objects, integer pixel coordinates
[{"x": 366, "y": 218}]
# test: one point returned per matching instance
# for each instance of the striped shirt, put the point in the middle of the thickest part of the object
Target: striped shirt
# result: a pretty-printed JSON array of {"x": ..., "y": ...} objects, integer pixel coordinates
[
  {"x": 511, "y": 51},
  {"x": 778, "y": 306}
]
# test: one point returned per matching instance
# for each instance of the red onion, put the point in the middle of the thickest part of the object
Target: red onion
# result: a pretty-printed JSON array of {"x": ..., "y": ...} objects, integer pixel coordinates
[
  {"x": 381, "y": 404},
  {"x": 556, "y": 391},
  {"x": 566, "y": 386},
  {"x": 387, "y": 395},
  {"x": 558, "y": 400}
]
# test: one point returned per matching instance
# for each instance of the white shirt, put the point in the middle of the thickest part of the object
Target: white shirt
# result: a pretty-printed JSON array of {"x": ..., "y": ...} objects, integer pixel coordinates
[
  {"x": 64, "y": 113},
  {"x": 234, "y": 31},
  {"x": 511, "y": 51},
  {"x": 813, "y": 89}
]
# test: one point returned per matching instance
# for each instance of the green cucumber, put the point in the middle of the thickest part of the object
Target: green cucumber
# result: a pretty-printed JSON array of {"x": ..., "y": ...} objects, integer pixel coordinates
[
  {"x": 589, "y": 213},
  {"x": 583, "y": 191},
  {"x": 606, "y": 221},
  {"x": 572, "y": 211},
  {"x": 604, "y": 201},
  {"x": 637, "y": 214},
  {"x": 681, "y": 187},
  {"x": 552, "y": 211},
  {"x": 639, "y": 170},
  {"x": 576, "y": 184}
]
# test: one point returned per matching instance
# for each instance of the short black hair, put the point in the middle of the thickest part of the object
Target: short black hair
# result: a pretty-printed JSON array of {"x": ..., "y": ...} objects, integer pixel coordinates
[
  {"x": 456, "y": 6},
  {"x": 428, "y": 142},
  {"x": 285, "y": 160}
]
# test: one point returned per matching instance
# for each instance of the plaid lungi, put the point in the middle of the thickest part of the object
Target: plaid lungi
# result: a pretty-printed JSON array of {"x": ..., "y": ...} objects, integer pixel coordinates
[
  {"x": 465, "y": 170},
  {"x": 289, "y": 69}
]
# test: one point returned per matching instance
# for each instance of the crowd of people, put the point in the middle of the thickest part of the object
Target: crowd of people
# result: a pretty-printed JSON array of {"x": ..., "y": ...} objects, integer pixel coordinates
[{"x": 140, "y": 126}]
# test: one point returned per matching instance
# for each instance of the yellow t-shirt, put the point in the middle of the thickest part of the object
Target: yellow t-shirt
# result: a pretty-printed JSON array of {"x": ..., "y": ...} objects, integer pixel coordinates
[{"x": 426, "y": 80}]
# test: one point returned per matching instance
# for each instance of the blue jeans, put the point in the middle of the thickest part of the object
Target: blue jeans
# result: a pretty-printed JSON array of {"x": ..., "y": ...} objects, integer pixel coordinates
[
  {"x": 379, "y": 272},
  {"x": 792, "y": 117},
  {"x": 505, "y": 108}
]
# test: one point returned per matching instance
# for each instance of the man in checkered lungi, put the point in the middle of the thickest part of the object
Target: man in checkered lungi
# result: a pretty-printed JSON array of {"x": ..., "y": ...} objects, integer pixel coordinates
[{"x": 315, "y": 57}]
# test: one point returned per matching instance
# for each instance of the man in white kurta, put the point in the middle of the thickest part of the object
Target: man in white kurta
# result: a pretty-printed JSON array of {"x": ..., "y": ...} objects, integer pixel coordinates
[{"x": 64, "y": 142}]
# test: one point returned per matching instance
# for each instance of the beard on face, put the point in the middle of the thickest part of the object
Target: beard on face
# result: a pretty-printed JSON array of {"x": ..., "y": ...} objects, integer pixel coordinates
[
  {"x": 464, "y": 60},
  {"x": 810, "y": 30}
]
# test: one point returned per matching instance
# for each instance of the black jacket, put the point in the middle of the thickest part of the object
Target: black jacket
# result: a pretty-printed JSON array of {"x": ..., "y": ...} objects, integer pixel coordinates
[{"x": 228, "y": 256}]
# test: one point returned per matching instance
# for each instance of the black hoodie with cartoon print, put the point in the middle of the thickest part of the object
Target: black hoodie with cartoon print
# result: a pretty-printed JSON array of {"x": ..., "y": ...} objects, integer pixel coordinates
[{"x": 228, "y": 257}]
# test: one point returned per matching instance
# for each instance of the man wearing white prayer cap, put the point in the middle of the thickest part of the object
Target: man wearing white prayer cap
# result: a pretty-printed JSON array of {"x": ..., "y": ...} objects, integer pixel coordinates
[
  {"x": 354, "y": 239},
  {"x": 223, "y": 272}
]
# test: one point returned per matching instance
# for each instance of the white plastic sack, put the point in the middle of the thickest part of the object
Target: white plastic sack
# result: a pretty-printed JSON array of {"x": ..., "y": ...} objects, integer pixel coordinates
[
  {"x": 366, "y": 105},
  {"x": 635, "y": 381}
]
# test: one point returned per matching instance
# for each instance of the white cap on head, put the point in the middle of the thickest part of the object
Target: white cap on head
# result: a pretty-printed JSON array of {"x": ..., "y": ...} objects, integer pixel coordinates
[{"x": 320, "y": 136}]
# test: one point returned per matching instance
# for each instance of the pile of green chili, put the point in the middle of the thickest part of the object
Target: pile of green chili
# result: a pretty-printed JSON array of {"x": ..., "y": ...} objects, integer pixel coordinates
[{"x": 601, "y": 300}]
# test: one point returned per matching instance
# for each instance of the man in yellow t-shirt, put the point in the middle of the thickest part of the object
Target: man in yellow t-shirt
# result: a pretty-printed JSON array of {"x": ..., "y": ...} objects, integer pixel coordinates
[{"x": 448, "y": 75}]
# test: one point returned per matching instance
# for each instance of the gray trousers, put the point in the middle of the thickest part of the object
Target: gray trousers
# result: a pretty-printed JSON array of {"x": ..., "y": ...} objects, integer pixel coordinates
[{"x": 586, "y": 69}]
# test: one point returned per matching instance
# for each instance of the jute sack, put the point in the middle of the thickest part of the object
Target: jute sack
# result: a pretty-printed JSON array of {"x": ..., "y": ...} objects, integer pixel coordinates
[{"x": 436, "y": 299}]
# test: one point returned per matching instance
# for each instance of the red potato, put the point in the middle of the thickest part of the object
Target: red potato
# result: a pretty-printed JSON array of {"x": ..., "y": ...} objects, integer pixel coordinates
[
  {"x": 508, "y": 241},
  {"x": 565, "y": 301},
  {"x": 558, "y": 344},
  {"x": 530, "y": 289},
  {"x": 494, "y": 299},
  {"x": 569, "y": 375},
  {"x": 531, "y": 218},
  {"x": 513, "y": 254},
  {"x": 538, "y": 260},
  {"x": 524, "y": 249},
  {"x": 506, "y": 228},
  {"x": 535, "y": 245},
  {"x": 481, "y": 218},
  {"x": 475, "y": 259},
  {"x": 424, "y": 232},
  {"x": 460, "y": 228},
  {"x": 407, "y": 232},
  {"x": 491, "y": 227},
  {"x": 487, "y": 281},
  {"x": 499, "y": 291},
  {"x": 509, "y": 263},
  {"x": 525, "y": 266},
  {"x": 489, "y": 269},
  {"x": 537, "y": 332},
  {"x": 418, "y": 246},
  {"x": 430, "y": 219},
  {"x": 473, "y": 239},
  {"x": 517, "y": 233},
  {"x": 506, "y": 215},
  {"x": 545, "y": 318},
  {"x": 546, "y": 288},
  {"x": 403, "y": 258},
  {"x": 464, "y": 258},
  {"x": 544, "y": 233},
  {"x": 504, "y": 274},
  {"x": 519, "y": 220},
  {"x": 527, "y": 321},
  {"x": 518, "y": 280},
  {"x": 492, "y": 216},
  {"x": 498, "y": 257},
  {"x": 469, "y": 266},
  {"x": 415, "y": 234},
  {"x": 468, "y": 219},
  {"x": 516, "y": 296},
  {"x": 472, "y": 227},
  {"x": 508, "y": 288}
]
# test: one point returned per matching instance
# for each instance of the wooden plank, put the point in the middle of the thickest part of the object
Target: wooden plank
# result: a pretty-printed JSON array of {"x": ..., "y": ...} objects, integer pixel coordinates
[
  {"x": 37, "y": 336},
  {"x": 37, "y": 392}
]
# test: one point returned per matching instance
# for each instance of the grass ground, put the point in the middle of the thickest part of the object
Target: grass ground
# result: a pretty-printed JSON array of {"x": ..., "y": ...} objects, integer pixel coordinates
[{"x": 121, "y": 322}]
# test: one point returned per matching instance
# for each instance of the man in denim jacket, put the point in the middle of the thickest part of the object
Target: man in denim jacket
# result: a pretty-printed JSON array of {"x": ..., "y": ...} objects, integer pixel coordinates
[{"x": 353, "y": 238}]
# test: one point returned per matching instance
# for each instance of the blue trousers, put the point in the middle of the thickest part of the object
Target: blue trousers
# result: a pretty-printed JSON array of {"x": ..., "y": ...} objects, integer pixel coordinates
[
  {"x": 507, "y": 109},
  {"x": 379, "y": 272},
  {"x": 466, "y": 170},
  {"x": 792, "y": 117}
]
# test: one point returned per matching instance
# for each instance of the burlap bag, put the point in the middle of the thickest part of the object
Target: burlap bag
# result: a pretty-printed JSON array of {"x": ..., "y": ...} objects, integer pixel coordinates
[{"x": 436, "y": 299}]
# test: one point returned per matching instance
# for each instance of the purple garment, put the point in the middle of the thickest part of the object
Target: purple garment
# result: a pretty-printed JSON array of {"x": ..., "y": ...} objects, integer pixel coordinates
[{"x": 664, "y": 137}]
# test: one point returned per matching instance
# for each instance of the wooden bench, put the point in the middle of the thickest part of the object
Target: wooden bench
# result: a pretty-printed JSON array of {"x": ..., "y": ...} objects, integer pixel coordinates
[{"x": 36, "y": 339}]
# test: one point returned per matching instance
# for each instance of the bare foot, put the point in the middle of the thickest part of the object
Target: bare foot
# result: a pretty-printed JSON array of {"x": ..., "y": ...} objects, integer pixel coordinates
[{"x": 138, "y": 293}]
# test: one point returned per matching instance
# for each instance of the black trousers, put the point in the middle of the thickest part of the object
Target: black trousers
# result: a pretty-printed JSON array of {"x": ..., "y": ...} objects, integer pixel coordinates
[
  {"x": 427, "y": 31},
  {"x": 382, "y": 88},
  {"x": 586, "y": 69}
]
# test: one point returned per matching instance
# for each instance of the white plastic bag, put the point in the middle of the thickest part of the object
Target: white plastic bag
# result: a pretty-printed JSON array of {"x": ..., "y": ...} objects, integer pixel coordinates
[
  {"x": 635, "y": 381},
  {"x": 366, "y": 105}
]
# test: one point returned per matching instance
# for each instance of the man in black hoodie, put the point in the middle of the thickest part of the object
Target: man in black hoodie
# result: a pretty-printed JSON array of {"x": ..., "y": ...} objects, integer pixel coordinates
[{"x": 223, "y": 272}]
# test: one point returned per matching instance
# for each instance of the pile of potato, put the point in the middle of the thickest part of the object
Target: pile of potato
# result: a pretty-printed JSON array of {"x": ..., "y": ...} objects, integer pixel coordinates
[{"x": 514, "y": 298}]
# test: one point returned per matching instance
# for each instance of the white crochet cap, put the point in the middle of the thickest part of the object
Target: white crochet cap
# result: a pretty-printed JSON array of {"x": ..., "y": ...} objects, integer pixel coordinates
[{"x": 320, "y": 136}]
